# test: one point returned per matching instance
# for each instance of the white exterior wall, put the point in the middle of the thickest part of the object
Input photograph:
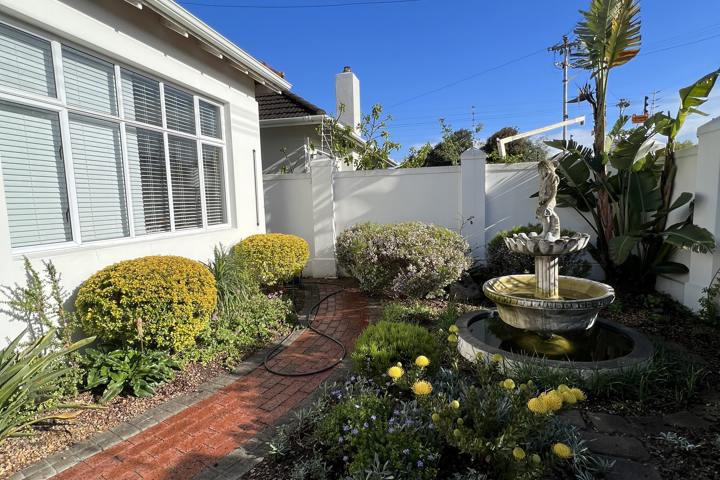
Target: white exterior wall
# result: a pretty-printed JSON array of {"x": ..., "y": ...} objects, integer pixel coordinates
[
  {"x": 290, "y": 137},
  {"x": 136, "y": 39}
]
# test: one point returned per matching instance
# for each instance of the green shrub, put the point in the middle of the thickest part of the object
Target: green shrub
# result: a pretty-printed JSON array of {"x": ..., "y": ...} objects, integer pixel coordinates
[
  {"x": 501, "y": 261},
  {"x": 127, "y": 370},
  {"x": 274, "y": 258},
  {"x": 163, "y": 301},
  {"x": 423, "y": 314},
  {"x": 402, "y": 259},
  {"x": 382, "y": 345}
]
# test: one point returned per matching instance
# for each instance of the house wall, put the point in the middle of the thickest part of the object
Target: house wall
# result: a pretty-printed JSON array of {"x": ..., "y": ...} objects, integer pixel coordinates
[
  {"x": 136, "y": 38},
  {"x": 292, "y": 138}
]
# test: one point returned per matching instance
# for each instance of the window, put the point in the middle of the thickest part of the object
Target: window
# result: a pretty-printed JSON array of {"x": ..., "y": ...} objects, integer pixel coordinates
[{"x": 111, "y": 153}]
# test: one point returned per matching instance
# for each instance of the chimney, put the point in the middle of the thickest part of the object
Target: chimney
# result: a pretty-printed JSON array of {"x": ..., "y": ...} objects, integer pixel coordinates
[{"x": 347, "y": 93}]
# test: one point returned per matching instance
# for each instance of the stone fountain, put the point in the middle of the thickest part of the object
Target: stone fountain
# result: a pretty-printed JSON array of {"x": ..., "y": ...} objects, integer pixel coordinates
[{"x": 546, "y": 316}]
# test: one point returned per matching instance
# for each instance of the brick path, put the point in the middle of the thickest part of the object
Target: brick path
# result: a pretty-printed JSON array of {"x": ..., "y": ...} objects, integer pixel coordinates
[{"x": 187, "y": 443}]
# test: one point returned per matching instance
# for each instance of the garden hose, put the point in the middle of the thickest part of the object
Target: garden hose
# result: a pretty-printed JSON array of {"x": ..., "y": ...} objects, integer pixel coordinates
[{"x": 310, "y": 318}]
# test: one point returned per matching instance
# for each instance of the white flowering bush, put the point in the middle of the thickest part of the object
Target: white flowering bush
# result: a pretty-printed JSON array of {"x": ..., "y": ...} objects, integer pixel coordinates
[{"x": 411, "y": 259}]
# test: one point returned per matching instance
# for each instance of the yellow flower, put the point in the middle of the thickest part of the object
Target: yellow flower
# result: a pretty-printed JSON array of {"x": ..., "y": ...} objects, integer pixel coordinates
[
  {"x": 460, "y": 421},
  {"x": 422, "y": 387},
  {"x": 455, "y": 404},
  {"x": 562, "y": 388},
  {"x": 452, "y": 338},
  {"x": 435, "y": 418},
  {"x": 398, "y": 364},
  {"x": 536, "y": 405},
  {"x": 568, "y": 398},
  {"x": 422, "y": 361},
  {"x": 508, "y": 384},
  {"x": 579, "y": 394},
  {"x": 395, "y": 372},
  {"x": 552, "y": 400},
  {"x": 497, "y": 358},
  {"x": 535, "y": 458},
  {"x": 518, "y": 453},
  {"x": 456, "y": 432},
  {"x": 562, "y": 450},
  {"x": 453, "y": 329}
]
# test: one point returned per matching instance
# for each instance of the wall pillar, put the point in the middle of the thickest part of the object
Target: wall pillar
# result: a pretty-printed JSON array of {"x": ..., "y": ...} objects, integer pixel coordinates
[
  {"x": 707, "y": 210},
  {"x": 472, "y": 200},
  {"x": 322, "y": 262}
]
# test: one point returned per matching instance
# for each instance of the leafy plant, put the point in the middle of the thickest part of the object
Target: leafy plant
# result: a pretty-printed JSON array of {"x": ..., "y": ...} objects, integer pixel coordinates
[
  {"x": 28, "y": 377},
  {"x": 273, "y": 258},
  {"x": 709, "y": 310},
  {"x": 521, "y": 150},
  {"x": 409, "y": 259},
  {"x": 127, "y": 370}
]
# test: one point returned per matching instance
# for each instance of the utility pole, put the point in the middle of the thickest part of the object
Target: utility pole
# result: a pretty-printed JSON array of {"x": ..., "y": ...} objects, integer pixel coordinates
[{"x": 564, "y": 49}]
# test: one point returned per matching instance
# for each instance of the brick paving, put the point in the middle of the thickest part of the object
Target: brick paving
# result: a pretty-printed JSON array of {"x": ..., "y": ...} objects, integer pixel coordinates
[{"x": 198, "y": 438}]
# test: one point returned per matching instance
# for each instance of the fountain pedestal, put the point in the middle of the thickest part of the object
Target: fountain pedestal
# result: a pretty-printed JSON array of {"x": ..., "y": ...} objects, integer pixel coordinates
[{"x": 547, "y": 270}]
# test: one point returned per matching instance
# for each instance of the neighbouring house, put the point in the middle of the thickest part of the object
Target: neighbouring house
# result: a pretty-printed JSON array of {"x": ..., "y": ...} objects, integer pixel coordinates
[
  {"x": 293, "y": 130},
  {"x": 127, "y": 128}
]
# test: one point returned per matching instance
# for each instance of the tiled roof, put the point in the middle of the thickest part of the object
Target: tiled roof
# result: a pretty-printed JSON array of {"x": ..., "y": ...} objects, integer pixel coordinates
[{"x": 285, "y": 105}]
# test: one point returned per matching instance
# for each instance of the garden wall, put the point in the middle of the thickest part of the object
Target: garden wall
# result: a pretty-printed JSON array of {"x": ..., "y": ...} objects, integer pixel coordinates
[{"x": 450, "y": 196}]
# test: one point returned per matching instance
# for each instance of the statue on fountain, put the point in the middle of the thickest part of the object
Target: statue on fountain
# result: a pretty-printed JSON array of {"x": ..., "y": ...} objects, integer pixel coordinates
[{"x": 547, "y": 200}]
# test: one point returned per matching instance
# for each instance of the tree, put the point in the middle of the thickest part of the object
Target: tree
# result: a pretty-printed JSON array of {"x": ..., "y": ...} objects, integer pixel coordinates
[
  {"x": 452, "y": 145},
  {"x": 417, "y": 156},
  {"x": 522, "y": 150},
  {"x": 371, "y": 153}
]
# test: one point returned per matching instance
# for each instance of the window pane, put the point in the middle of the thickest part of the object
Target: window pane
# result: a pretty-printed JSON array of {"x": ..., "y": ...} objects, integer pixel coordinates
[
  {"x": 185, "y": 180},
  {"x": 99, "y": 178},
  {"x": 179, "y": 110},
  {"x": 210, "y": 120},
  {"x": 26, "y": 62},
  {"x": 89, "y": 82},
  {"x": 214, "y": 193},
  {"x": 33, "y": 176},
  {"x": 141, "y": 98},
  {"x": 148, "y": 181}
]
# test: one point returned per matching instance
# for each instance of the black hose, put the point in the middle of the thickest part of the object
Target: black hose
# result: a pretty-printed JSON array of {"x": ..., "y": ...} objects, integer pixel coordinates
[{"x": 311, "y": 315}]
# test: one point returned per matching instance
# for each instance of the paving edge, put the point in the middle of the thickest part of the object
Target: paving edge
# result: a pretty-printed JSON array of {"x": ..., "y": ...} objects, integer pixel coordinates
[{"x": 54, "y": 464}]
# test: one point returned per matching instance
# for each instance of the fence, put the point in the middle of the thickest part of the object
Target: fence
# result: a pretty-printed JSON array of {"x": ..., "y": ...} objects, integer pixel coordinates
[{"x": 476, "y": 198}]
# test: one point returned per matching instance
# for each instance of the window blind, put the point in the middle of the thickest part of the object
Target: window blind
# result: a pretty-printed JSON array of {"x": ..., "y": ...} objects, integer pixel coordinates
[
  {"x": 179, "y": 110},
  {"x": 185, "y": 181},
  {"x": 99, "y": 178},
  {"x": 89, "y": 82},
  {"x": 33, "y": 176},
  {"x": 26, "y": 62},
  {"x": 148, "y": 181},
  {"x": 214, "y": 193},
  {"x": 141, "y": 98},
  {"x": 209, "y": 119}
]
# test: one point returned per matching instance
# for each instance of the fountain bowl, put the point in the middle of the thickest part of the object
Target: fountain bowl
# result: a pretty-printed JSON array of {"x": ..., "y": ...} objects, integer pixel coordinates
[{"x": 576, "y": 309}]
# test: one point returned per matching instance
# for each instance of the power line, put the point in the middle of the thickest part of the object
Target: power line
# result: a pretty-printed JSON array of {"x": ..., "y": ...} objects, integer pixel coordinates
[
  {"x": 678, "y": 45},
  {"x": 316, "y": 5}
]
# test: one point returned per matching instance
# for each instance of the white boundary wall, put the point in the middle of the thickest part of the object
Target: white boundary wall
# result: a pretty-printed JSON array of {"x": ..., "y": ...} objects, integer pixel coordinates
[{"x": 449, "y": 196}]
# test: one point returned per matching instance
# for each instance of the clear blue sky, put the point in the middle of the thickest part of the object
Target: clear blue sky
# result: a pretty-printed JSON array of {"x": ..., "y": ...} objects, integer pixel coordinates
[{"x": 405, "y": 53}]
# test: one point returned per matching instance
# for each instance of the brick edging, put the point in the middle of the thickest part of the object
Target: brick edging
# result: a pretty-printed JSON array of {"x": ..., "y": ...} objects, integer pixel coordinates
[{"x": 78, "y": 452}]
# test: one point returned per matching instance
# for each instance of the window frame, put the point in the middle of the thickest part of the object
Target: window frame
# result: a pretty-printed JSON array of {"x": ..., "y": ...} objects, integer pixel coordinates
[{"x": 60, "y": 106}]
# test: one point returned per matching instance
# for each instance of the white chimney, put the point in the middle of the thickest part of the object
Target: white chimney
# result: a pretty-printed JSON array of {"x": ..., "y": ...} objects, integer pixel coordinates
[{"x": 347, "y": 93}]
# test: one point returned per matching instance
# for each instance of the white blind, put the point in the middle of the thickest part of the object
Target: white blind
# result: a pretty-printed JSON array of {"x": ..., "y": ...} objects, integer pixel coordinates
[
  {"x": 141, "y": 98},
  {"x": 214, "y": 193},
  {"x": 185, "y": 181},
  {"x": 209, "y": 119},
  {"x": 99, "y": 179},
  {"x": 26, "y": 62},
  {"x": 179, "y": 110},
  {"x": 89, "y": 82},
  {"x": 33, "y": 176},
  {"x": 148, "y": 181}
]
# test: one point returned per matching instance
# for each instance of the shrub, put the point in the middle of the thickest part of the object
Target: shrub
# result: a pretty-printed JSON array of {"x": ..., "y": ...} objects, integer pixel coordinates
[
  {"x": 386, "y": 343},
  {"x": 274, "y": 257},
  {"x": 402, "y": 259},
  {"x": 161, "y": 301},
  {"x": 501, "y": 261}
]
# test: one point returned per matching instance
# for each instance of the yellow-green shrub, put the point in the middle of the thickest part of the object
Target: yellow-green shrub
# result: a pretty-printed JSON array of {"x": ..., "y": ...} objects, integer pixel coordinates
[
  {"x": 173, "y": 297},
  {"x": 274, "y": 257}
]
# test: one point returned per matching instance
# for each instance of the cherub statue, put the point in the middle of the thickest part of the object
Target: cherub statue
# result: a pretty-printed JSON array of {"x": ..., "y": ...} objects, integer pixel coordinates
[{"x": 545, "y": 213}]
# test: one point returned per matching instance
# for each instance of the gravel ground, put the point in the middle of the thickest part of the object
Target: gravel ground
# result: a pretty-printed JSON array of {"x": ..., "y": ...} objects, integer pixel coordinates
[{"x": 16, "y": 453}]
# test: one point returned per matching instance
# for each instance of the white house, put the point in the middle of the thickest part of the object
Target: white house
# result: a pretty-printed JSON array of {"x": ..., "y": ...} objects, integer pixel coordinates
[{"x": 127, "y": 128}]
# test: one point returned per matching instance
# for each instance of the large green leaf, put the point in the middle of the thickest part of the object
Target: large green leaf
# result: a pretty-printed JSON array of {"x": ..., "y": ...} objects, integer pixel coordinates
[
  {"x": 691, "y": 97},
  {"x": 644, "y": 193},
  {"x": 630, "y": 148},
  {"x": 690, "y": 237},
  {"x": 673, "y": 268},
  {"x": 621, "y": 247}
]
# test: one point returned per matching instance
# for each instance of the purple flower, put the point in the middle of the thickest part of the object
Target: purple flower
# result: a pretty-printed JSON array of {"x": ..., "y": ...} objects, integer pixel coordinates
[
  {"x": 420, "y": 464},
  {"x": 406, "y": 451},
  {"x": 355, "y": 431},
  {"x": 391, "y": 430},
  {"x": 341, "y": 439},
  {"x": 346, "y": 428},
  {"x": 365, "y": 425},
  {"x": 373, "y": 417},
  {"x": 345, "y": 458}
]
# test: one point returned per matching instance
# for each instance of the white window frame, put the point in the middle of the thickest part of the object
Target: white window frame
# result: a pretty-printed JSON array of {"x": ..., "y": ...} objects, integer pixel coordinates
[{"x": 59, "y": 105}]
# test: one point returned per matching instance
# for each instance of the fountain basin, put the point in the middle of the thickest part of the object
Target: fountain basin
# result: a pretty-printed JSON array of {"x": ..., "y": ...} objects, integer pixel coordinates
[
  {"x": 535, "y": 244},
  {"x": 576, "y": 309},
  {"x": 605, "y": 348}
]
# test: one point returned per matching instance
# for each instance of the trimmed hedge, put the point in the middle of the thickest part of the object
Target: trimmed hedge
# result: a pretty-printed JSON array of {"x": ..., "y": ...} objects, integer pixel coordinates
[
  {"x": 273, "y": 258},
  {"x": 409, "y": 259},
  {"x": 173, "y": 298}
]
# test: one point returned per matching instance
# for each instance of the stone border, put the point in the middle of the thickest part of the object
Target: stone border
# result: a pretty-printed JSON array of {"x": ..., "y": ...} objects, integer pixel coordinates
[{"x": 62, "y": 460}]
